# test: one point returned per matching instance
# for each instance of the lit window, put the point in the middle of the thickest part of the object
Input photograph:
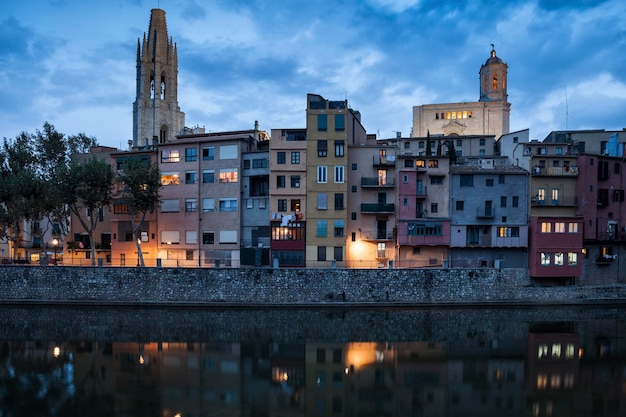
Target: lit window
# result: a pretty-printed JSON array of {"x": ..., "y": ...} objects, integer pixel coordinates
[
  {"x": 559, "y": 227},
  {"x": 569, "y": 351},
  {"x": 420, "y": 163},
  {"x": 170, "y": 178},
  {"x": 229, "y": 175},
  {"x": 546, "y": 227},
  {"x": 542, "y": 381},
  {"x": 433, "y": 163},
  {"x": 545, "y": 258},
  {"x": 573, "y": 227},
  {"x": 555, "y": 381},
  {"x": 542, "y": 351},
  {"x": 558, "y": 258},
  {"x": 170, "y": 155},
  {"x": 572, "y": 258}
]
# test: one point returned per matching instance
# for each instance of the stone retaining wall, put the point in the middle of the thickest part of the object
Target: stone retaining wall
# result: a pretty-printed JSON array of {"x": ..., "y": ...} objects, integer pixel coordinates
[{"x": 297, "y": 287}]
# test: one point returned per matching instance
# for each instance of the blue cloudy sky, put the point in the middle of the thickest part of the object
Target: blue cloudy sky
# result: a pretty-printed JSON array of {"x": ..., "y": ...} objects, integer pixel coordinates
[{"x": 72, "y": 62}]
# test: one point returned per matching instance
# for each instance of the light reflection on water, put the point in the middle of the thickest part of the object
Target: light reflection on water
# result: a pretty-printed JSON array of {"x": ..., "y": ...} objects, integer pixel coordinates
[{"x": 488, "y": 362}]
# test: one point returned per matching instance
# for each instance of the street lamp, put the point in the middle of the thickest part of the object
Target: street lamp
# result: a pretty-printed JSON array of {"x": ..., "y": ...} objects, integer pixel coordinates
[{"x": 55, "y": 242}]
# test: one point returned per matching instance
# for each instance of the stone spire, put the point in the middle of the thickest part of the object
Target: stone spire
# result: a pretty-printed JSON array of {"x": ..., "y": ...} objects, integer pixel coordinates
[{"x": 156, "y": 114}]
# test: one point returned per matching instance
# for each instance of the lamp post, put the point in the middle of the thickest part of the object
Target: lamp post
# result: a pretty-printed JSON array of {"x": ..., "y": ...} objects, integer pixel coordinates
[{"x": 55, "y": 242}]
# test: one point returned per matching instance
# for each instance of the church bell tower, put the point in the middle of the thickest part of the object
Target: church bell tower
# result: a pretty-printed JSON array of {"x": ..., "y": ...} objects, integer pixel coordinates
[
  {"x": 156, "y": 115},
  {"x": 493, "y": 80}
]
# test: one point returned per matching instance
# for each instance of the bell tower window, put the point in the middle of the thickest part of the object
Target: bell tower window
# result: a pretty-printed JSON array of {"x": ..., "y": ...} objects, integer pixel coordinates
[
  {"x": 495, "y": 82},
  {"x": 163, "y": 86}
]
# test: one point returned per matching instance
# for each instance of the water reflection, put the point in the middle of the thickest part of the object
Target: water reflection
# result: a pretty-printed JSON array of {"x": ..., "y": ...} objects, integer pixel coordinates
[{"x": 548, "y": 368}]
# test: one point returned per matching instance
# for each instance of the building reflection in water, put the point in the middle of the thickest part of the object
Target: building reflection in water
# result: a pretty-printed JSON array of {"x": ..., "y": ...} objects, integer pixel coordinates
[{"x": 556, "y": 371}]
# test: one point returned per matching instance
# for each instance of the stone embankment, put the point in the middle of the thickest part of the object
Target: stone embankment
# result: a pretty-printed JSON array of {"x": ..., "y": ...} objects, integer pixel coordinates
[{"x": 289, "y": 287}]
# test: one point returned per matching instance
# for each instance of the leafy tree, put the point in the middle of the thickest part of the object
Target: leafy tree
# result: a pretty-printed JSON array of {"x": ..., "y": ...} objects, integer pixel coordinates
[
  {"x": 88, "y": 190},
  {"x": 140, "y": 182},
  {"x": 22, "y": 191}
]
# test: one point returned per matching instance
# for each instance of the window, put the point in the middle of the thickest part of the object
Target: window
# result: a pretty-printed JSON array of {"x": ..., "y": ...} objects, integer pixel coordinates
[
  {"x": 170, "y": 156},
  {"x": 208, "y": 153},
  {"x": 354, "y": 167},
  {"x": 339, "y": 201},
  {"x": 191, "y": 237},
  {"x": 482, "y": 142},
  {"x": 228, "y": 236},
  {"x": 405, "y": 179},
  {"x": 433, "y": 163},
  {"x": 295, "y": 157},
  {"x": 208, "y": 176},
  {"x": 208, "y": 238},
  {"x": 489, "y": 182},
  {"x": 618, "y": 195},
  {"x": 321, "y": 253},
  {"x": 339, "y": 228},
  {"x": 228, "y": 175},
  {"x": 541, "y": 195},
  {"x": 424, "y": 229},
  {"x": 559, "y": 227},
  {"x": 170, "y": 237},
  {"x": 515, "y": 201},
  {"x": 170, "y": 178},
  {"x": 228, "y": 204},
  {"x": 508, "y": 231},
  {"x": 546, "y": 227},
  {"x": 460, "y": 205},
  {"x": 420, "y": 145},
  {"x": 246, "y": 164},
  {"x": 259, "y": 163},
  {"x": 340, "y": 122},
  {"x": 322, "y": 174},
  {"x": 339, "y": 174},
  {"x": 321, "y": 228},
  {"x": 191, "y": 154},
  {"x": 353, "y": 188},
  {"x": 467, "y": 180},
  {"x": 545, "y": 259},
  {"x": 338, "y": 253},
  {"x": 503, "y": 201},
  {"x": 436, "y": 179},
  {"x": 295, "y": 204},
  {"x": 501, "y": 179},
  {"x": 459, "y": 143},
  {"x": 434, "y": 208},
  {"x": 339, "y": 148},
  {"x": 558, "y": 258},
  {"x": 572, "y": 227},
  {"x": 420, "y": 163},
  {"x": 228, "y": 152},
  {"x": 191, "y": 205},
  {"x": 321, "y": 201},
  {"x": 282, "y": 204},
  {"x": 572, "y": 258},
  {"x": 280, "y": 181},
  {"x": 322, "y": 148},
  {"x": 281, "y": 158},
  {"x": 169, "y": 205},
  {"x": 322, "y": 122},
  {"x": 295, "y": 181},
  {"x": 190, "y": 177},
  {"x": 353, "y": 215},
  {"x": 208, "y": 204}
]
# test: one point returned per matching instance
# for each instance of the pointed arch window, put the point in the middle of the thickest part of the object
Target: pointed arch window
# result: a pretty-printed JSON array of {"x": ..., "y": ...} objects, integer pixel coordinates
[
  {"x": 152, "y": 86},
  {"x": 163, "y": 86}
]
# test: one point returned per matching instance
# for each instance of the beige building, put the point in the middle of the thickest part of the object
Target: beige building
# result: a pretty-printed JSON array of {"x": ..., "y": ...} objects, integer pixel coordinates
[
  {"x": 331, "y": 127},
  {"x": 288, "y": 187},
  {"x": 371, "y": 204},
  {"x": 201, "y": 199},
  {"x": 488, "y": 116}
]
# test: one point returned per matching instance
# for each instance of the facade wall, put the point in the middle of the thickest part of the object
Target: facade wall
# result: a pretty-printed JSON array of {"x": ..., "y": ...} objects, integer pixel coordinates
[
  {"x": 255, "y": 231},
  {"x": 555, "y": 247}
]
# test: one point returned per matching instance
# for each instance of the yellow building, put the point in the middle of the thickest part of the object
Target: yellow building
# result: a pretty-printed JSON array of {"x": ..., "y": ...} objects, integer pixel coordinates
[{"x": 331, "y": 127}]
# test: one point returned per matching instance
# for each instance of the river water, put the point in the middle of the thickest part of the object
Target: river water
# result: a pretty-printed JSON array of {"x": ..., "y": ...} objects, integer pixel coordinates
[{"x": 560, "y": 361}]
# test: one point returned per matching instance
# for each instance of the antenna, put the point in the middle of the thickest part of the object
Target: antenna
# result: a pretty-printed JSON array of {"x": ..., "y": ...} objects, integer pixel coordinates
[{"x": 566, "y": 109}]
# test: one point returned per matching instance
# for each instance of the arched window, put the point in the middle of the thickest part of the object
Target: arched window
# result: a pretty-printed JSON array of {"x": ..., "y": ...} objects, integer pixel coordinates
[
  {"x": 163, "y": 134},
  {"x": 495, "y": 82},
  {"x": 163, "y": 86},
  {"x": 152, "y": 86}
]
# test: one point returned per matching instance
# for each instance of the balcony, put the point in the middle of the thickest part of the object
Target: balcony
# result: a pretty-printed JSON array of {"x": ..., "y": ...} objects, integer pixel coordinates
[
  {"x": 377, "y": 235},
  {"x": 560, "y": 202},
  {"x": 485, "y": 212},
  {"x": 421, "y": 193},
  {"x": 378, "y": 182},
  {"x": 555, "y": 171},
  {"x": 383, "y": 208},
  {"x": 384, "y": 161}
]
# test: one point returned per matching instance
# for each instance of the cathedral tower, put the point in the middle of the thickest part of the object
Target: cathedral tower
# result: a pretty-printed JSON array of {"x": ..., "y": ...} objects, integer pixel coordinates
[
  {"x": 493, "y": 81},
  {"x": 156, "y": 114}
]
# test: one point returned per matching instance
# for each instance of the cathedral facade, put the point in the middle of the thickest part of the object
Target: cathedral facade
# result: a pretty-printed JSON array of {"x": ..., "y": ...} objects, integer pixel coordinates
[
  {"x": 488, "y": 116},
  {"x": 156, "y": 115}
]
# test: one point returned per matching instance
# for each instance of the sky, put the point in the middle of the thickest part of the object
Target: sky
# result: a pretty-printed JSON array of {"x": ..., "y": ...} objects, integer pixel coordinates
[{"x": 72, "y": 62}]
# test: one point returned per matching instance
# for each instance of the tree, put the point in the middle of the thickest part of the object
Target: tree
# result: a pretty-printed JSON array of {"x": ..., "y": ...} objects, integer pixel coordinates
[
  {"x": 22, "y": 191},
  {"x": 88, "y": 189},
  {"x": 140, "y": 182}
]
